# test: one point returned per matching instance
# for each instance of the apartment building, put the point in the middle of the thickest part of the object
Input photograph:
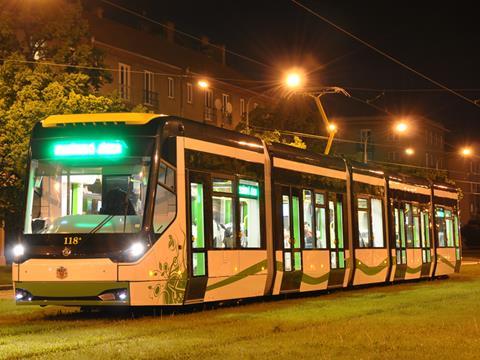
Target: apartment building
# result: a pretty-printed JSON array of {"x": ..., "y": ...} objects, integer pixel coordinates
[
  {"x": 420, "y": 143},
  {"x": 160, "y": 69}
]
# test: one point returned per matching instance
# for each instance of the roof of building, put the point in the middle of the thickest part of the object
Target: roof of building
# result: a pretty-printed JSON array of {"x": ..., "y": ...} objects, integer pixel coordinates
[{"x": 157, "y": 48}]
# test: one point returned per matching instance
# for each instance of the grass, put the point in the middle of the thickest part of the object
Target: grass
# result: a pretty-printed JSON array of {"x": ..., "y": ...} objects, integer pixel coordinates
[
  {"x": 424, "y": 320},
  {"x": 5, "y": 275}
]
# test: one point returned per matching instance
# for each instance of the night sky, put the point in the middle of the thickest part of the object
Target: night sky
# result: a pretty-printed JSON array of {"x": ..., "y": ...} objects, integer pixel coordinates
[{"x": 438, "y": 39}]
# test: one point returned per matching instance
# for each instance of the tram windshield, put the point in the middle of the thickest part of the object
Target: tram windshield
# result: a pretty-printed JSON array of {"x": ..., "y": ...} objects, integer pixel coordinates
[{"x": 96, "y": 197}]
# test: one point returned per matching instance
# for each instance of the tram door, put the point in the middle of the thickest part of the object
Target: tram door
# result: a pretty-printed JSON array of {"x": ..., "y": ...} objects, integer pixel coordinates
[
  {"x": 198, "y": 230},
  {"x": 400, "y": 243},
  {"x": 425, "y": 242},
  {"x": 291, "y": 244}
]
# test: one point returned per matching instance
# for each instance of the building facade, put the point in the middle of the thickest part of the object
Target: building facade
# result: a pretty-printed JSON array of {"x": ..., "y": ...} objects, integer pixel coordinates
[
  {"x": 375, "y": 138},
  {"x": 157, "y": 68}
]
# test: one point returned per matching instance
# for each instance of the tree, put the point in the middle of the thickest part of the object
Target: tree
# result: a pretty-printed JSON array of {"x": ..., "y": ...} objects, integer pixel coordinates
[{"x": 34, "y": 36}]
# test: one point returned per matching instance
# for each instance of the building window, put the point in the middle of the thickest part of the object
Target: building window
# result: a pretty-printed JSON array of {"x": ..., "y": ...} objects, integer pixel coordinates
[
  {"x": 225, "y": 101},
  {"x": 242, "y": 107},
  {"x": 209, "y": 111},
  {"x": 189, "y": 93},
  {"x": 124, "y": 81},
  {"x": 171, "y": 88},
  {"x": 148, "y": 95}
]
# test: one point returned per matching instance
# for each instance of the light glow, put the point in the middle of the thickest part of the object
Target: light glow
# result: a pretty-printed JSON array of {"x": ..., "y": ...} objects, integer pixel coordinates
[
  {"x": 332, "y": 127},
  {"x": 401, "y": 127},
  {"x": 203, "y": 84},
  {"x": 136, "y": 249},
  {"x": 18, "y": 250},
  {"x": 409, "y": 151},
  {"x": 466, "y": 151},
  {"x": 293, "y": 80}
]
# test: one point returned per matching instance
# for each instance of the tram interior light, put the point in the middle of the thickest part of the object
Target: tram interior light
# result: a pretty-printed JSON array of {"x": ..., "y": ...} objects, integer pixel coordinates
[{"x": 18, "y": 250}]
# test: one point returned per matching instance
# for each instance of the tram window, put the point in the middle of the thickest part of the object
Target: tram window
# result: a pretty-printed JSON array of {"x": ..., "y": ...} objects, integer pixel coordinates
[
  {"x": 449, "y": 227},
  {"x": 416, "y": 227},
  {"x": 331, "y": 216},
  {"x": 426, "y": 228},
  {"x": 377, "y": 223},
  {"x": 197, "y": 215},
  {"x": 333, "y": 260},
  {"x": 286, "y": 221},
  {"x": 223, "y": 224},
  {"x": 308, "y": 220},
  {"x": 397, "y": 229},
  {"x": 363, "y": 222},
  {"x": 321, "y": 226},
  {"x": 170, "y": 178},
  {"x": 165, "y": 209},
  {"x": 296, "y": 222},
  {"x": 249, "y": 214},
  {"x": 221, "y": 185},
  {"x": 457, "y": 231},
  {"x": 441, "y": 230},
  {"x": 409, "y": 224},
  {"x": 199, "y": 268},
  {"x": 287, "y": 261},
  {"x": 162, "y": 170},
  {"x": 340, "y": 224}
]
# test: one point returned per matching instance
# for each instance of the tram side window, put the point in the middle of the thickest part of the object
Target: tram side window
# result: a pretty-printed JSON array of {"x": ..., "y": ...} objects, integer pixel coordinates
[
  {"x": 320, "y": 226},
  {"x": 308, "y": 237},
  {"x": 370, "y": 223},
  {"x": 449, "y": 227},
  {"x": 441, "y": 227},
  {"x": 223, "y": 214},
  {"x": 416, "y": 227},
  {"x": 409, "y": 224},
  {"x": 249, "y": 213},
  {"x": 165, "y": 201},
  {"x": 198, "y": 228},
  {"x": 377, "y": 223}
]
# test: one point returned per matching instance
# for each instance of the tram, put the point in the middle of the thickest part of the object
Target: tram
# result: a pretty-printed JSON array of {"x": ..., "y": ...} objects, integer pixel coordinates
[{"x": 148, "y": 210}]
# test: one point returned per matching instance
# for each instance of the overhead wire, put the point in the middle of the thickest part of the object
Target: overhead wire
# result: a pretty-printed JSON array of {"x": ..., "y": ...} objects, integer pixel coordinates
[{"x": 391, "y": 58}]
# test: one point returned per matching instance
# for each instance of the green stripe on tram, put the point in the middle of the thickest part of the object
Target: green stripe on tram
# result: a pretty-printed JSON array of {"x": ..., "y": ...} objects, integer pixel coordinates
[
  {"x": 412, "y": 270},
  {"x": 310, "y": 280},
  {"x": 371, "y": 270},
  {"x": 252, "y": 270},
  {"x": 446, "y": 261}
]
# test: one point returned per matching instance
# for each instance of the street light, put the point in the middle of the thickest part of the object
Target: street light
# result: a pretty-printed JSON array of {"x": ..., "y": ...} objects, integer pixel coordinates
[
  {"x": 401, "y": 127},
  {"x": 466, "y": 151},
  {"x": 203, "y": 84},
  {"x": 409, "y": 151},
  {"x": 294, "y": 80}
]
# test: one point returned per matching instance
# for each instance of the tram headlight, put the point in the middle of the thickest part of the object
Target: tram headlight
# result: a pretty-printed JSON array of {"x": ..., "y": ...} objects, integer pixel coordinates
[
  {"x": 23, "y": 295},
  {"x": 136, "y": 249},
  {"x": 18, "y": 250}
]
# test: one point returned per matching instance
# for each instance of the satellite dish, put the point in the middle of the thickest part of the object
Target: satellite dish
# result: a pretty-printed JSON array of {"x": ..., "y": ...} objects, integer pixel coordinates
[
  {"x": 218, "y": 104},
  {"x": 229, "y": 108}
]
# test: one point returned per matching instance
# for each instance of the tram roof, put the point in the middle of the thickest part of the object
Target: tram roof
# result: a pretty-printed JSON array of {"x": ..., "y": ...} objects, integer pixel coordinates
[{"x": 116, "y": 118}]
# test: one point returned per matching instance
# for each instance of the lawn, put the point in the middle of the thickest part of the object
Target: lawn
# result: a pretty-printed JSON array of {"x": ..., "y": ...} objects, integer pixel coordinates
[{"x": 424, "y": 320}]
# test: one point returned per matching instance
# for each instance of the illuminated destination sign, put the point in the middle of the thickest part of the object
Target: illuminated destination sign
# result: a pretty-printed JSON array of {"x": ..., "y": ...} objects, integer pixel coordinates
[
  {"x": 248, "y": 190},
  {"x": 89, "y": 148}
]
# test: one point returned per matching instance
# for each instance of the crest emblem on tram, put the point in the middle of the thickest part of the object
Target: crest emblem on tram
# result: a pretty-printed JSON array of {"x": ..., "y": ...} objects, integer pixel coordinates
[
  {"x": 67, "y": 251},
  {"x": 62, "y": 272}
]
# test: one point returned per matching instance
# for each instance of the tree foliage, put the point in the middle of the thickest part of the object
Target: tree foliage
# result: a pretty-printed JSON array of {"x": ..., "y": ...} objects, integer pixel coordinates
[{"x": 34, "y": 35}]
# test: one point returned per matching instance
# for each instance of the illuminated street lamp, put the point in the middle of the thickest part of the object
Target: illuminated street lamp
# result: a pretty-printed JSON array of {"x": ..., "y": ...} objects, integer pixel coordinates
[
  {"x": 409, "y": 151},
  {"x": 294, "y": 80},
  {"x": 203, "y": 84},
  {"x": 466, "y": 151},
  {"x": 401, "y": 127}
]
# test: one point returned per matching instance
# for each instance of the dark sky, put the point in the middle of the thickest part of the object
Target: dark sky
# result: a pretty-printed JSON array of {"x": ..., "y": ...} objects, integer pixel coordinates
[{"x": 439, "y": 39}]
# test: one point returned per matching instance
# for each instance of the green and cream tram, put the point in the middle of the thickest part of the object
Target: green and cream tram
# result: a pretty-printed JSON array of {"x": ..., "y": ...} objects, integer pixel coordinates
[{"x": 143, "y": 209}]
